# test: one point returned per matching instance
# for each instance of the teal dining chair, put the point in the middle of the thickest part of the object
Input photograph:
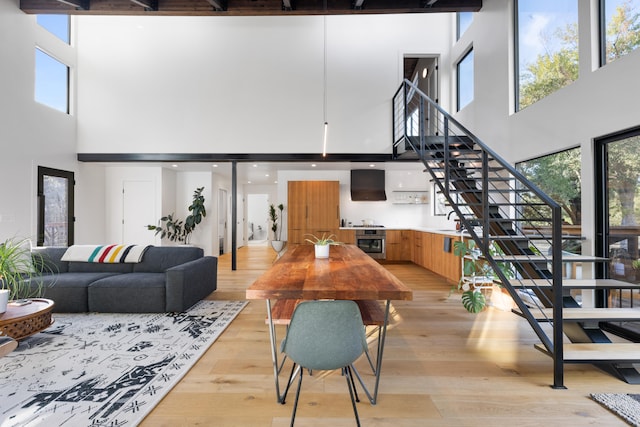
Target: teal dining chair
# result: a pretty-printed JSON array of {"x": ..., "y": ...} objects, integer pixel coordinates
[{"x": 324, "y": 335}]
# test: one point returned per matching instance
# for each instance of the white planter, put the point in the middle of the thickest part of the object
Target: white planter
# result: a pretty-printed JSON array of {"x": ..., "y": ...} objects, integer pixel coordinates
[
  {"x": 322, "y": 251},
  {"x": 278, "y": 245},
  {"x": 4, "y": 299}
]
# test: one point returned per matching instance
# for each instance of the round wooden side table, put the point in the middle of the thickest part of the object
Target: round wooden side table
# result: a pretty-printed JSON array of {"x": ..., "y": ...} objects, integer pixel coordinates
[{"x": 21, "y": 321}]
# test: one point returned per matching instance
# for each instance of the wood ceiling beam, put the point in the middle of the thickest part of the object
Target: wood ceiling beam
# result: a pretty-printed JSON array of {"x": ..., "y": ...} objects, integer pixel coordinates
[
  {"x": 218, "y": 5},
  {"x": 148, "y": 5},
  {"x": 246, "y": 7},
  {"x": 78, "y": 4}
]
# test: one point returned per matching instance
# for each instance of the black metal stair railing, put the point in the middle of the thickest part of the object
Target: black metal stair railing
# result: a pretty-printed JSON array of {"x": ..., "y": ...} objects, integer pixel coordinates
[{"x": 509, "y": 218}]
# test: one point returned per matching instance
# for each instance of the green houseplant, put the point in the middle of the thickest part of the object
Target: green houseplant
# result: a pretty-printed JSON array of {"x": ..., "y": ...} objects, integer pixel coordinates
[
  {"x": 20, "y": 270},
  {"x": 476, "y": 274},
  {"x": 178, "y": 230},
  {"x": 322, "y": 244},
  {"x": 275, "y": 217}
]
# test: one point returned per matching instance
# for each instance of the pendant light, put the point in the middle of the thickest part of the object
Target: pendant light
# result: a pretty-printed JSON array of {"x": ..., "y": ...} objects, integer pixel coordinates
[{"x": 324, "y": 83}]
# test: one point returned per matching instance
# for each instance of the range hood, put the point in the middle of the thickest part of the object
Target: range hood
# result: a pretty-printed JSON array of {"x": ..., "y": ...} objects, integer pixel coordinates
[{"x": 367, "y": 185}]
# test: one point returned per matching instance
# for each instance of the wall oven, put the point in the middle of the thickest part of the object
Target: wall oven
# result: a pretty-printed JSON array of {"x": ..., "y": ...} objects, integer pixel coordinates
[{"x": 371, "y": 241}]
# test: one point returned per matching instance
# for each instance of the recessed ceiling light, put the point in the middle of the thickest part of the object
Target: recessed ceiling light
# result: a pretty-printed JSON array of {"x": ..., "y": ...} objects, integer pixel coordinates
[
  {"x": 255, "y": 165},
  {"x": 248, "y": 182},
  {"x": 275, "y": 182},
  {"x": 424, "y": 72},
  {"x": 266, "y": 174},
  {"x": 174, "y": 166},
  {"x": 215, "y": 166},
  {"x": 313, "y": 165},
  {"x": 372, "y": 165}
]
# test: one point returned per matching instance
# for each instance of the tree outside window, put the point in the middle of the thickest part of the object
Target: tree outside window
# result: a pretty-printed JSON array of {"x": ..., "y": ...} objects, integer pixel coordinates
[
  {"x": 621, "y": 33},
  {"x": 547, "y": 32}
]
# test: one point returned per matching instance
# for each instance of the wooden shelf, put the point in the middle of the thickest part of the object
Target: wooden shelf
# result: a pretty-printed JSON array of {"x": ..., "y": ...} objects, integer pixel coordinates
[{"x": 406, "y": 197}]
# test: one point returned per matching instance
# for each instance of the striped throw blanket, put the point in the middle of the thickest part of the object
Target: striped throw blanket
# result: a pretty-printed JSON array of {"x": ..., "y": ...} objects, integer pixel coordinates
[{"x": 105, "y": 253}]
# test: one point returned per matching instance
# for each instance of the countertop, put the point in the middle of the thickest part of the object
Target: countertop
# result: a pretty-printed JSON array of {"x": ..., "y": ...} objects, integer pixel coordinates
[{"x": 451, "y": 232}]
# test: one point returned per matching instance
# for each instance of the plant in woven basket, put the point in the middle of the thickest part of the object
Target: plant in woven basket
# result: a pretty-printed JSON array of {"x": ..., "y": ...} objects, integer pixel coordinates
[{"x": 21, "y": 269}]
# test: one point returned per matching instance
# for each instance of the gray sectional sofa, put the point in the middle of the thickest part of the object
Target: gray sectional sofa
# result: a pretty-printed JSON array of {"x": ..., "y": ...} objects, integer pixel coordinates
[{"x": 168, "y": 279}]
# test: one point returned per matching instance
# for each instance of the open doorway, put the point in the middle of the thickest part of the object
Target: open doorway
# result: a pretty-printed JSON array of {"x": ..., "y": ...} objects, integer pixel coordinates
[
  {"x": 422, "y": 70},
  {"x": 257, "y": 219}
]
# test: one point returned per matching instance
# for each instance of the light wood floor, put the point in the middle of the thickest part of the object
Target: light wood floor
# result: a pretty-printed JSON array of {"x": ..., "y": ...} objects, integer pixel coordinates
[{"x": 442, "y": 367}]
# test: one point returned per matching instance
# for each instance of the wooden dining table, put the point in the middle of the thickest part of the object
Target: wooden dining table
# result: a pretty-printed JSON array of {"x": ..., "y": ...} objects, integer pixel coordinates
[{"x": 347, "y": 274}]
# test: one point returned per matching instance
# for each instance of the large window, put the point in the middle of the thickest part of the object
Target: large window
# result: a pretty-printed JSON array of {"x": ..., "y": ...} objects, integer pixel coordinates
[
  {"x": 620, "y": 22},
  {"x": 52, "y": 82},
  {"x": 558, "y": 175},
  {"x": 464, "y": 73},
  {"x": 463, "y": 20},
  {"x": 58, "y": 25},
  {"x": 618, "y": 218},
  {"x": 547, "y": 48}
]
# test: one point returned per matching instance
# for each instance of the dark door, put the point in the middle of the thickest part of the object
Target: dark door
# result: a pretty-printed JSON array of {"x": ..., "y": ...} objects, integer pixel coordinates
[{"x": 55, "y": 207}]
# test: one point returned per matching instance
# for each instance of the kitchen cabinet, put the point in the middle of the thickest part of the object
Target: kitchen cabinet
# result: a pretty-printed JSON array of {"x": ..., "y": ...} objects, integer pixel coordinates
[
  {"x": 313, "y": 208},
  {"x": 430, "y": 252},
  {"x": 399, "y": 245}
]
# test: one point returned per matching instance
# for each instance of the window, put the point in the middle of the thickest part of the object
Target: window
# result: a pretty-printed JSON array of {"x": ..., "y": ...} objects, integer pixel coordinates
[
  {"x": 58, "y": 25},
  {"x": 618, "y": 219},
  {"x": 464, "y": 75},
  {"x": 52, "y": 82},
  {"x": 55, "y": 207},
  {"x": 620, "y": 28},
  {"x": 546, "y": 48},
  {"x": 463, "y": 20},
  {"x": 558, "y": 175}
]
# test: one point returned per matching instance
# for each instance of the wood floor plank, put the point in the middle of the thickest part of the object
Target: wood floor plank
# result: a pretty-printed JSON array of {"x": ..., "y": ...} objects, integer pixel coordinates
[{"x": 442, "y": 367}]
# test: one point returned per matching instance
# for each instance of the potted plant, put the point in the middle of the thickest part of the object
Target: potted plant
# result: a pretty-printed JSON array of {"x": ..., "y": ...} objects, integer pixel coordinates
[
  {"x": 477, "y": 275},
  {"x": 322, "y": 244},
  {"x": 177, "y": 230},
  {"x": 275, "y": 218},
  {"x": 20, "y": 270}
]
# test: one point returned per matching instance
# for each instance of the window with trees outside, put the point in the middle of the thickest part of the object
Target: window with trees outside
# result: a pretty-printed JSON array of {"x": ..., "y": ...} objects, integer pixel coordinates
[
  {"x": 546, "y": 48},
  {"x": 620, "y": 21},
  {"x": 464, "y": 74},
  {"x": 618, "y": 203},
  {"x": 558, "y": 175}
]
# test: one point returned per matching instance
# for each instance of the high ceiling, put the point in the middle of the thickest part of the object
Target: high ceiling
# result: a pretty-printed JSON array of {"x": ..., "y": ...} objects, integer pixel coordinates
[{"x": 245, "y": 7}]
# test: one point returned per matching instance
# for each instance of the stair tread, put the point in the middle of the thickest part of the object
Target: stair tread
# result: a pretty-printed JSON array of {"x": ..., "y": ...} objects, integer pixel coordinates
[
  {"x": 579, "y": 284},
  {"x": 603, "y": 352},
  {"x": 541, "y": 258},
  {"x": 584, "y": 314}
]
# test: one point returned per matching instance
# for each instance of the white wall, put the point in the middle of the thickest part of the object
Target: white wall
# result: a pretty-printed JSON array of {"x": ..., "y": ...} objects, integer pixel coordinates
[
  {"x": 244, "y": 84},
  {"x": 31, "y": 134}
]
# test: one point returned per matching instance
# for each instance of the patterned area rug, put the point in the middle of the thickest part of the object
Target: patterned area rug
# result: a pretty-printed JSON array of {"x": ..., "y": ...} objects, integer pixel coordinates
[
  {"x": 626, "y": 406},
  {"x": 99, "y": 369}
]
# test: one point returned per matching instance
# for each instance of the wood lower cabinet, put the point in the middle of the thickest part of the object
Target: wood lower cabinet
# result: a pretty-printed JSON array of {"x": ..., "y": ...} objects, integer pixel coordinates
[
  {"x": 429, "y": 251},
  {"x": 399, "y": 245},
  {"x": 313, "y": 208}
]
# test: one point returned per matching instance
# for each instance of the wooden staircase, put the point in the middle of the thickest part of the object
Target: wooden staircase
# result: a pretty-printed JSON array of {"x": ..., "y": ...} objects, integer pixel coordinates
[{"x": 500, "y": 208}]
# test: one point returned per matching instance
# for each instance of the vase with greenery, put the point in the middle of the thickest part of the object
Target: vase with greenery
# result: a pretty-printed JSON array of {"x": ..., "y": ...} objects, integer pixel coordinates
[
  {"x": 477, "y": 274},
  {"x": 322, "y": 244},
  {"x": 177, "y": 230},
  {"x": 21, "y": 271},
  {"x": 275, "y": 217}
]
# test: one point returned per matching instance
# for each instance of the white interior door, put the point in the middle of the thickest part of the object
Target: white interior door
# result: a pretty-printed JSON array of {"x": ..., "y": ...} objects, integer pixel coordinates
[{"x": 138, "y": 211}]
